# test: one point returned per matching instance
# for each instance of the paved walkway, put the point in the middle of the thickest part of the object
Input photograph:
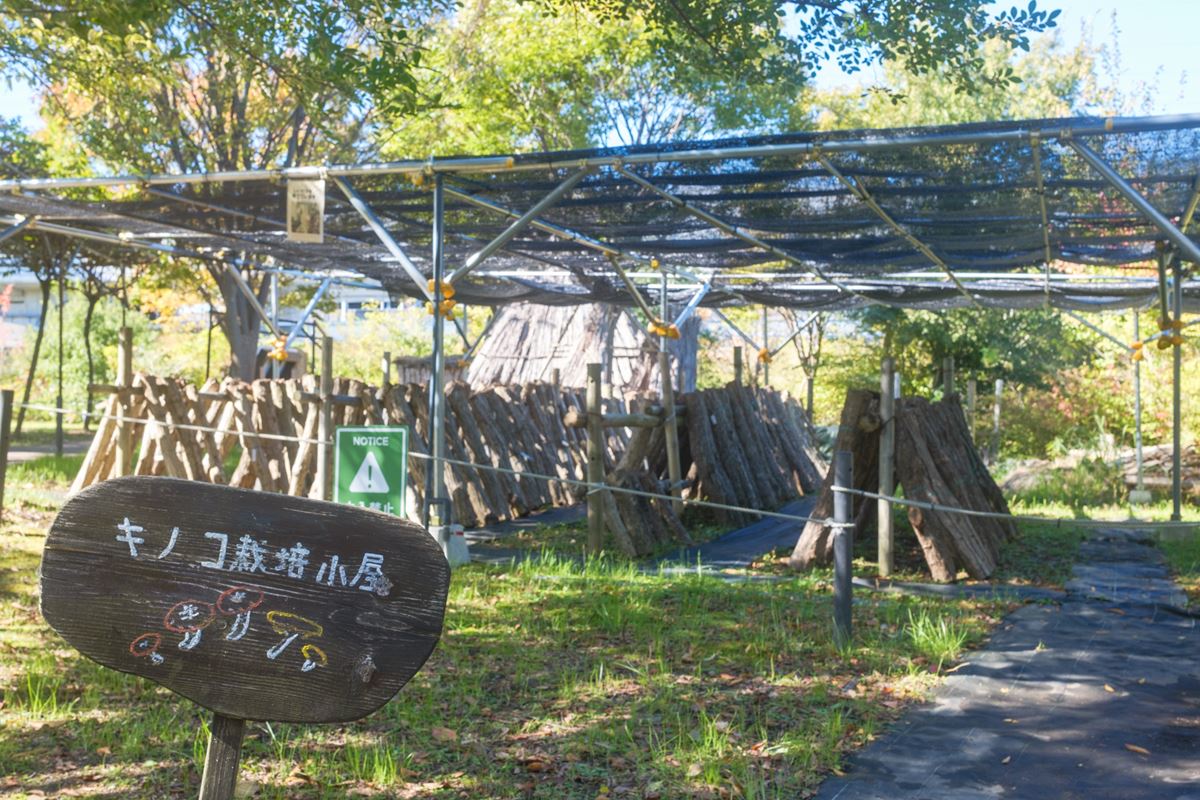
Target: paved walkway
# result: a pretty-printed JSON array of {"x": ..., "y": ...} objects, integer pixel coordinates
[
  {"x": 1097, "y": 696},
  {"x": 29, "y": 452}
]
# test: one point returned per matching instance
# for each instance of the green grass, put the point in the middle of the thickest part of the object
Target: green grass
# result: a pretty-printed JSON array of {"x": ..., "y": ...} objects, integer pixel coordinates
[
  {"x": 554, "y": 679},
  {"x": 1184, "y": 557}
]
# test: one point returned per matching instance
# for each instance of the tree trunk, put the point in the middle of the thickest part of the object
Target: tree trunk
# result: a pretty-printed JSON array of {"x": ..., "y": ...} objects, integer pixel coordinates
[
  {"x": 44, "y": 285},
  {"x": 240, "y": 324}
]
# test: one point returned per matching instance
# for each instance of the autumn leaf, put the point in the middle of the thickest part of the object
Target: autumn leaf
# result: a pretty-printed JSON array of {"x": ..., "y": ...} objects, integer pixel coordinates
[
  {"x": 1109, "y": 689},
  {"x": 1133, "y": 748},
  {"x": 443, "y": 735}
]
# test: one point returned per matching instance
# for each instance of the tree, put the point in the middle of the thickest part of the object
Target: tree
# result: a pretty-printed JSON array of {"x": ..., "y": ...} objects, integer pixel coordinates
[
  {"x": 246, "y": 84},
  {"x": 1024, "y": 346},
  {"x": 47, "y": 257}
]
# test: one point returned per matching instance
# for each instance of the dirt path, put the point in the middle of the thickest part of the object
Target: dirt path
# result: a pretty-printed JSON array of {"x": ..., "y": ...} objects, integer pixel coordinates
[{"x": 1094, "y": 697}]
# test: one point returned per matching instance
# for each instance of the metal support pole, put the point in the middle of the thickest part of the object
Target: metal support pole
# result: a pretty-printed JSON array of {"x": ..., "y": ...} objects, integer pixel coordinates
[
  {"x": 994, "y": 448},
  {"x": 843, "y": 548},
  {"x": 766, "y": 343},
  {"x": 595, "y": 461},
  {"x": 737, "y": 365},
  {"x": 1176, "y": 396},
  {"x": 6, "y": 407},
  {"x": 275, "y": 365},
  {"x": 124, "y": 457},
  {"x": 887, "y": 468},
  {"x": 1139, "y": 493},
  {"x": 58, "y": 401},
  {"x": 437, "y": 504},
  {"x": 324, "y": 476},
  {"x": 670, "y": 428}
]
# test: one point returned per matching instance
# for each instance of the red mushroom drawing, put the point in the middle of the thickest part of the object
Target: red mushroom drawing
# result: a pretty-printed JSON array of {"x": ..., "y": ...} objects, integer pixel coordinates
[
  {"x": 189, "y": 617},
  {"x": 147, "y": 645},
  {"x": 313, "y": 657},
  {"x": 238, "y": 603},
  {"x": 290, "y": 627}
]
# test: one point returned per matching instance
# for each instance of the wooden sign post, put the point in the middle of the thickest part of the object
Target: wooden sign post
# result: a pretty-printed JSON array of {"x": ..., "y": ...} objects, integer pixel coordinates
[{"x": 257, "y": 606}]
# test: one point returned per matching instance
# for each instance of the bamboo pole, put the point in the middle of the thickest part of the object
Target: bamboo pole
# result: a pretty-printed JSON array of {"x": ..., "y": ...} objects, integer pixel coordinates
[
  {"x": 595, "y": 460},
  {"x": 887, "y": 470}
]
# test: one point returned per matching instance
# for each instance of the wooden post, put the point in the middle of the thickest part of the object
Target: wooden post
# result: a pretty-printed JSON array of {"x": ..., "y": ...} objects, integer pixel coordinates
[
  {"x": 556, "y": 379},
  {"x": 221, "y": 760},
  {"x": 948, "y": 376},
  {"x": 387, "y": 369},
  {"x": 887, "y": 469},
  {"x": 124, "y": 456},
  {"x": 324, "y": 477},
  {"x": 595, "y": 460},
  {"x": 843, "y": 548},
  {"x": 766, "y": 365},
  {"x": 971, "y": 391},
  {"x": 671, "y": 429},
  {"x": 994, "y": 448},
  {"x": 737, "y": 365},
  {"x": 6, "y": 407},
  {"x": 810, "y": 386}
]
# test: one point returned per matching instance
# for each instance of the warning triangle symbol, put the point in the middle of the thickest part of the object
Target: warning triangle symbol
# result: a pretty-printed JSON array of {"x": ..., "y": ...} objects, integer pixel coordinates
[{"x": 369, "y": 478}]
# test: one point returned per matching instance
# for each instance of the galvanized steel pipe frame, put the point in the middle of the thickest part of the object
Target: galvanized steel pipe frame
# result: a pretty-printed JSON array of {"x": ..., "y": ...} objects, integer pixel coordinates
[{"x": 508, "y": 163}]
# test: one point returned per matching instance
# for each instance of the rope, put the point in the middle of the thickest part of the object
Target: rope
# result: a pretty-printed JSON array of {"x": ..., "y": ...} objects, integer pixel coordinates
[
  {"x": 601, "y": 487},
  {"x": 970, "y": 512}
]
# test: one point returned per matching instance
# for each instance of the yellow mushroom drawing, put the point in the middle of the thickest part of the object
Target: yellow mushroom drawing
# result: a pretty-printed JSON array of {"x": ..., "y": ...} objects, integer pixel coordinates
[
  {"x": 290, "y": 627},
  {"x": 313, "y": 657}
]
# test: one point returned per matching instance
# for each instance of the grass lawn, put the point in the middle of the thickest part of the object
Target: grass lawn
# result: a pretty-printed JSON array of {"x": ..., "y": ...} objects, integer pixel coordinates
[{"x": 553, "y": 679}]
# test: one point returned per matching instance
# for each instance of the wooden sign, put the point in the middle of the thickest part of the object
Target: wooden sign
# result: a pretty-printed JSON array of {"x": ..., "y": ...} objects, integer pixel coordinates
[{"x": 258, "y": 606}]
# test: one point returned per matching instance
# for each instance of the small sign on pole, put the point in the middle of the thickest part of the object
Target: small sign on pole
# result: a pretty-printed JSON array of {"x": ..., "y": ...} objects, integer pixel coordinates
[
  {"x": 306, "y": 210},
  {"x": 257, "y": 606},
  {"x": 371, "y": 468}
]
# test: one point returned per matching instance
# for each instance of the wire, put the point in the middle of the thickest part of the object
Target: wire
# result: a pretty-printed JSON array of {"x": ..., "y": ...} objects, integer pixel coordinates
[{"x": 602, "y": 487}]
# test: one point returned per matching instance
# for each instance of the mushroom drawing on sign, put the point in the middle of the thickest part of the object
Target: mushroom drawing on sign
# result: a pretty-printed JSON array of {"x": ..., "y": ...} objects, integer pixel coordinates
[
  {"x": 189, "y": 617},
  {"x": 238, "y": 602},
  {"x": 313, "y": 657},
  {"x": 290, "y": 627},
  {"x": 147, "y": 645}
]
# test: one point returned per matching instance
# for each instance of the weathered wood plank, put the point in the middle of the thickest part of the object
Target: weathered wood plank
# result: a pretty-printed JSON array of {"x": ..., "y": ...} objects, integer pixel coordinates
[{"x": 257, "y": 606}]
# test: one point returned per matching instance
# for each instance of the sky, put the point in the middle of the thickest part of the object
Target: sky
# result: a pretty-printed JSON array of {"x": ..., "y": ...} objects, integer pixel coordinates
[{"x": 1156, "y": 39}]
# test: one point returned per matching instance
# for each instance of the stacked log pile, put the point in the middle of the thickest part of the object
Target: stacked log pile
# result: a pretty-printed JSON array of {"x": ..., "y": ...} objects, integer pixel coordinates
[
  {"x": 739, "y": 446},
  {"x": 936, "y": 462},
  {"x": 517, "y": 428},
  {"x": 748, "y": 447}
]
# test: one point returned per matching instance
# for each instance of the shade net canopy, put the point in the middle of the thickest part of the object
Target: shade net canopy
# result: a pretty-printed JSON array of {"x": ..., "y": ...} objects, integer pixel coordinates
[{"x": 1002, "y": 214}]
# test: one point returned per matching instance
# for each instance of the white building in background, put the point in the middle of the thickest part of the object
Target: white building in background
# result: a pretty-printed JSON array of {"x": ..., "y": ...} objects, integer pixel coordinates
[{"x": 20, "y": 306}]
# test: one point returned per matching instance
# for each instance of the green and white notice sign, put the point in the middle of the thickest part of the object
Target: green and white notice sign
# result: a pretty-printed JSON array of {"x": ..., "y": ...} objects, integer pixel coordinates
[{"x": 371, "y": 468}]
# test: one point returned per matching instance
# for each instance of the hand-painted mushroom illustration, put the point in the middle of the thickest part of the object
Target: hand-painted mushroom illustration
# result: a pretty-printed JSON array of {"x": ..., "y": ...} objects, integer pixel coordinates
[
  {"x": 238, "y": 602},
  {"x": 147, "y": 645},
  {"x": 189, "y": 617},
  {"x": 290, "y": 627},
  {"x": 313, "y": 657}
]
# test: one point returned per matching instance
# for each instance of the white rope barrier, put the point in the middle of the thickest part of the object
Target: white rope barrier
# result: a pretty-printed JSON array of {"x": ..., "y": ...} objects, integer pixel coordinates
[{"x": 600, "y": 487}]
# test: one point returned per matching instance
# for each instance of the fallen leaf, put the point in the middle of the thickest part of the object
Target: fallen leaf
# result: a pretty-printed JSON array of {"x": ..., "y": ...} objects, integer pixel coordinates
[
  {"x": 1006, "y": 759},
  {"x": 1011, "y": 721},
  {"x": 104, "y": 751},
  {"x": 1133, "y": 748},
  {"x": 536, "y": 766},
  {"x": 1141, "y": 681},
  {"x": 1109, "y": 689},
  {"x": 443, "y": 734},
  {"x": 695, "y": 769}
]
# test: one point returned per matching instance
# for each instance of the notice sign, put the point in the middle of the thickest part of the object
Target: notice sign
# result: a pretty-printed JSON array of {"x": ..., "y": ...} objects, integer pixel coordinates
[
  {"x": 256, "y": 605},
  {"x": 371, "y": 468},
  {"x": 306, "y": 210}
]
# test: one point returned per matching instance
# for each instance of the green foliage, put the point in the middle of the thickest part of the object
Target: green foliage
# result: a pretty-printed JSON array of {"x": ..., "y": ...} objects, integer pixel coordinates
[
  {"x": 1091, "y": 482},
  {"x": 937, "y": 638}
]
